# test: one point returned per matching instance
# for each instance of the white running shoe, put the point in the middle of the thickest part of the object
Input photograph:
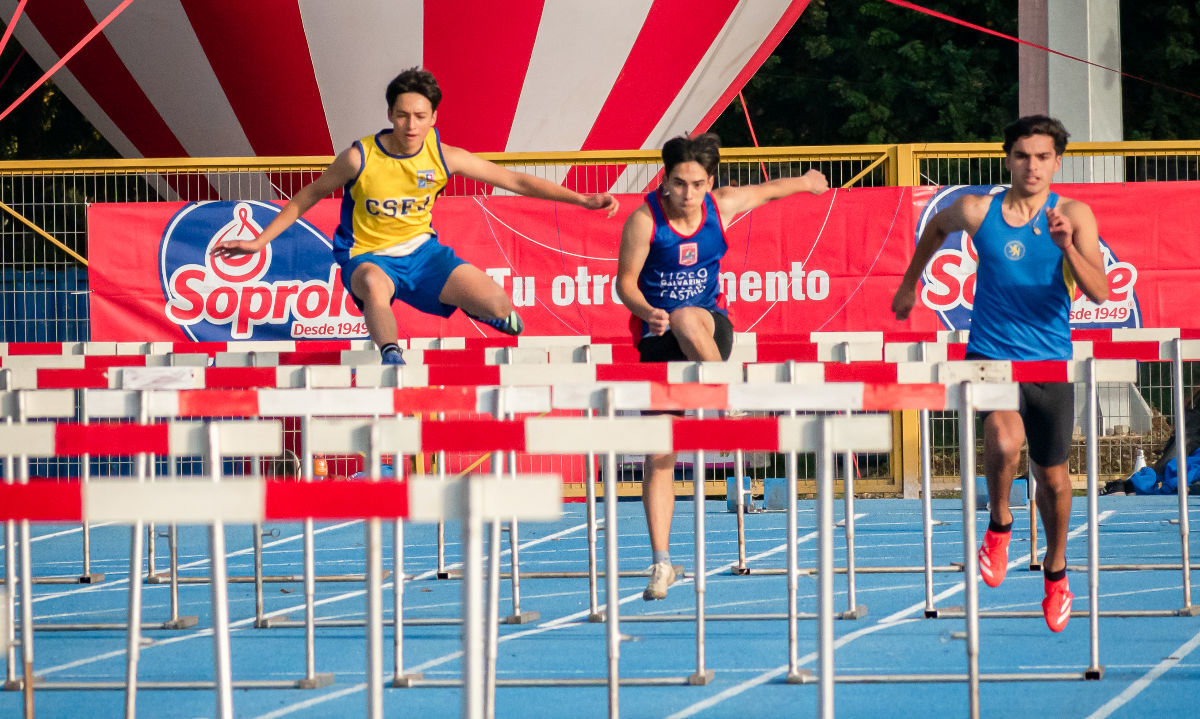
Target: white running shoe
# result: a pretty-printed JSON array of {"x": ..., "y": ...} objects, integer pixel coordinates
[{"x": 662, "y": 575}]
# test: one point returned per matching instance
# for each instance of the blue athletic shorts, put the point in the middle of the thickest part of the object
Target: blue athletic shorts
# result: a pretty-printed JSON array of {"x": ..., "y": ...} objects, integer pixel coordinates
[{"x": 419, "y": 277}]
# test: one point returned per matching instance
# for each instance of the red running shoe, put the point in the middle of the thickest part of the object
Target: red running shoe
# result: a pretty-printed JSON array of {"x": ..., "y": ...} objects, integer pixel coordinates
[
  {"x": 993, "y": 557},
  {"x": 1056, "y": 607}
]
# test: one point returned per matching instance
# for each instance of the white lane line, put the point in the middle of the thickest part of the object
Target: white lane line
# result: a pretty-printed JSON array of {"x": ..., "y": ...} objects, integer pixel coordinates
[
  {"x": 891, "y": 620},
  {"x": 313, "y": 702},
  {"x": 197, "y": 563},
  {"x": 63, "y": 533},
  {"x": 242, "y": 623},
  {"x": 1146, "y": 679},
  {"x": 551, "y": 625}
]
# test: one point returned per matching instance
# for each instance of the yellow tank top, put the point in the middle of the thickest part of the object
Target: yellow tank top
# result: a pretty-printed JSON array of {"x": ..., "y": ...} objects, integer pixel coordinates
[{"x": 391, "y": 200}]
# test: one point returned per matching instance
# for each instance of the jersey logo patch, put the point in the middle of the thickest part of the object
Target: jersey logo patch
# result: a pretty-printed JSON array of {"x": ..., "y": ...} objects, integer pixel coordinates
[
  {"x": 688, "y": 253},
  {"x": 1014, "y": 250},
  {"x": 425, "y": 178}
]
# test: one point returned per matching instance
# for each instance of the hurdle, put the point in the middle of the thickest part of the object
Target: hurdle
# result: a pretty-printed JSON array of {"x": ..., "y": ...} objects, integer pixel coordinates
[{"x": 245, "y": 501}]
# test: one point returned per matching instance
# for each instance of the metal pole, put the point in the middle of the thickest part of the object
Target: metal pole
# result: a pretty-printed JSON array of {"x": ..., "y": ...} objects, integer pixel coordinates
[
  {"x": 966, "y": 418},
  {"x": 702, "y": 675},
  {"x": 310, "y": 585},
  {"x": 926, "y": 445},
  {"x": 26, "y": 581},
  {"x": 10, "y": 577},
  {"x": 612, "y": 572},
  {"x": 1093, "y": 481},
  {"x": 848, "y": 504},
  {"x": 825, "y": 530},
  {"x": 738, "y": 459},
  {"x": 85, "y": 476},
  {"x": 133, "y": 634},
  {"x": 793, "y": 569},
  {"x": 493, "y": 601},
  {"x": 472, "y": 599},
  {"x": 590, "y": 506},
  {"x": 1181, "y": 464},
  {"x": 218, "y": 591},
  {"x": 372, "y": 537}
]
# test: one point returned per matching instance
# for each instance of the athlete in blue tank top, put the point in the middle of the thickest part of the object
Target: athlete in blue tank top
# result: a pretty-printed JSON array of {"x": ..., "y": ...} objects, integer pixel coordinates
[
  {"x": 668, "y": 278},
  {"x": 1034, "y": 248}
]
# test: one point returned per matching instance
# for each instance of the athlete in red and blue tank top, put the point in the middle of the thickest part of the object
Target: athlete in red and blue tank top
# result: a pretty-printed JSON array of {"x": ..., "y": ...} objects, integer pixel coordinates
[
  {"x": 683, "y": 271},
  {"x": 667, "y": 277}
]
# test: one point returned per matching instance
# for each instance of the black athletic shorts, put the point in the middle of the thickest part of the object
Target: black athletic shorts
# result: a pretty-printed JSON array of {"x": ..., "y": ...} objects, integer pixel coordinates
[
  {"x": 665, "y": 347},
  {"x": 1047, "y": 410}
]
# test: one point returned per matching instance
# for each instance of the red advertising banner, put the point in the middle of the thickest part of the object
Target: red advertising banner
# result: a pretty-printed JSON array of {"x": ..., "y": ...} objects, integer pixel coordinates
[{"x": 798, "y": 265}]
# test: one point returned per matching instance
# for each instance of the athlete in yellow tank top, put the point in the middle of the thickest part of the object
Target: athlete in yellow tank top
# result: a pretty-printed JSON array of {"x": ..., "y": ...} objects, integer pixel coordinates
[
  {"x": 385, "y": 243},
  {"x": 391, "y": 201}
]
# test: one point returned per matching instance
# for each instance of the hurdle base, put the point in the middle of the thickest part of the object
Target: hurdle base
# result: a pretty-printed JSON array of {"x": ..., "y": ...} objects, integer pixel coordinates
[
  {"x": 700, "y": 679},
  {"x": 316, "y": 682},
  {"x": 181, "y": 623},
  {"x": 1190, "y": 611},
  {"x": 1035, "y": 566},
  {"x": 93, "y": 578},
  {"x": 800, "y": 676},
  {"x": 522, "y": 618},
  {"x": 596, "y": 618},
  {"x": 1093, "y": 673},
  {"x": 407, "y": 680},
  {"x": 442, "y": 574},
  {"x": 858, "y": 612},
  {"x": 269, "y": 622},
  {"x": 931, "y": 613},
  {"x": 740, "y": 571}
]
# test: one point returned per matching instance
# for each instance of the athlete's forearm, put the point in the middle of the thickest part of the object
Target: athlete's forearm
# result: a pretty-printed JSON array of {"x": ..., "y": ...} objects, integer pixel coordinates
[{"x": 1089, "y": 275}]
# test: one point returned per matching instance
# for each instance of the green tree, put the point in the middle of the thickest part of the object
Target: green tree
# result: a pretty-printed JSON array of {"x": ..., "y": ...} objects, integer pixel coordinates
[
  {"x": 867, "y": 71},
  {"x": 46, "y": 124},
  {"x": 1159, "y": 41}
]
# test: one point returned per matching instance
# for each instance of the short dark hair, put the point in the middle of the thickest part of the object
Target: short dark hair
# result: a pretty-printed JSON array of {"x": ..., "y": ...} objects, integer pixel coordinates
[
  {"x": 703, "y": 149},
  {"x": 1036, "y": 125},
  {"x": 417, "y": 80}
]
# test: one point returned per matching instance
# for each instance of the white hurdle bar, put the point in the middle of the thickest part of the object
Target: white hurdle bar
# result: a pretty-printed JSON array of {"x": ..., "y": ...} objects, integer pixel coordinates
[{"x": 532, "y": 497}]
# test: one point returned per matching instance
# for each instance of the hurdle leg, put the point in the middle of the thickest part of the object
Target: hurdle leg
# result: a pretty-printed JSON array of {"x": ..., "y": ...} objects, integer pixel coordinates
[
  {"x": 474, "y": 684},
  {"x": 931, "y": 612},
  {"x": 1182, "y": 485},
  {"x": 1094, "y": 670},
  {"x": 311, "y": 679},
  {"x": 589, "y": 484},
  {"x": 739, "y": 468},
  {"x": 372, "y": 532},
  {"x": 612, "y": 576},
  {"x": 218, "y": 588},
  {"x": 825, "y": 530},
  {"x": 966, "y": 418},
  {"x": 703, "y": 675},
  {"x": 175, "y": 621},
  {"x": 795, "y": 675},
  {"x": 10, "y": 578},
  {"x": 442, "y": 572},
  {"x": 853, "y": 610},
  {"x": 400, "y": 678},
  {"x": 1035, "y": 564},
  {"x": 133, "y": 634},
  {"x": 493, "y": 602},
  {"x": 514, "y": 546},
  {"x": 85, "y": 474}
]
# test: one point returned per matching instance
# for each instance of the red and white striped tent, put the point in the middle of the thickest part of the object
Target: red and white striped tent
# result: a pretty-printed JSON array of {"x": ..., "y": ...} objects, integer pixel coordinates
[{"x": 216, "y": 78}]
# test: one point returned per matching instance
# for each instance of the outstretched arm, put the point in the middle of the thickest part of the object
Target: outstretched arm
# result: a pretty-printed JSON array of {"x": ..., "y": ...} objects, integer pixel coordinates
[
  {"x": 343, "y": 169},
  {"x": 965, "y": 214},
  {"x": 732, "y": 200},
  {"x": 1073, "y": 229},
  {"x": 635, "y": 247},
  {"x": 461, "y": 162}
]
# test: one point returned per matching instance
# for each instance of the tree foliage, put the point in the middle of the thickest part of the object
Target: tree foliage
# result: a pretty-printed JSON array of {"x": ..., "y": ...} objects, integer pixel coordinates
[
  {"x": 46, "y": 124},
  {"x": 867, "y": 71}
]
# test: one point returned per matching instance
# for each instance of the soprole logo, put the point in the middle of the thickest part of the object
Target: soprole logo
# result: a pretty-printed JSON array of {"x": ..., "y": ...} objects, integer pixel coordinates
[
  {"x": 948, "y": 282},
  {"x": 290, "y": 289}
]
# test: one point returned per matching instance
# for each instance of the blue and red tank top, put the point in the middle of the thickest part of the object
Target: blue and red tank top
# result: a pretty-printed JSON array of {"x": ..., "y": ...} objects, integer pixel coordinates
[
  {"x": 1023, "y": 290},
  {"x": 684, "y": 271}
]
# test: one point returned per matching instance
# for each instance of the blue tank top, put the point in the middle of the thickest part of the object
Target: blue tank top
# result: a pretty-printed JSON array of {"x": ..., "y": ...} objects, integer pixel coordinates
[
  {"x": 1023, "y": 290},
  {"x": 683, "y": 271}
]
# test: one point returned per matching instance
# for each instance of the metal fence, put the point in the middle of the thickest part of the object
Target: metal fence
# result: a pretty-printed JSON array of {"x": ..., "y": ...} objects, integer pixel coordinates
[{"x": 43, "y": 225}]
